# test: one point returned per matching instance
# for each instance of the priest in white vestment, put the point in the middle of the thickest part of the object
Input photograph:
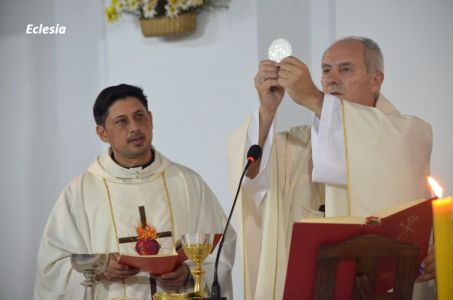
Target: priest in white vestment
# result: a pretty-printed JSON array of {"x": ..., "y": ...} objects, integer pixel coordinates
[
  {"x": 359, "y": 156},
  {"x": 100, "y": 207}
]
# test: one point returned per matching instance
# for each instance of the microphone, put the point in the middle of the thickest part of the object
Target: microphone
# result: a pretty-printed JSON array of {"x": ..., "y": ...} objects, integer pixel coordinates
[{"x": 253, "y": 155}]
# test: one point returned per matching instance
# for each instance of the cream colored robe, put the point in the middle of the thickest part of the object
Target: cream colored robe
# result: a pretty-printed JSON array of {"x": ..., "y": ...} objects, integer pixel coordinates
[
  {"x": 387, "y": 157},
  {"x": 100, "y": 206}
]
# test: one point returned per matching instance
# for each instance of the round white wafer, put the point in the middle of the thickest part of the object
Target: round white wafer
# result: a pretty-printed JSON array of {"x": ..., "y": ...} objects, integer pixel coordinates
[{"x": 279, "y": 49}]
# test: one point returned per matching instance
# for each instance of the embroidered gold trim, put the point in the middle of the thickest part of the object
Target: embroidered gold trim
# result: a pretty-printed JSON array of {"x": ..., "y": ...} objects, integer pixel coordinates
[
  {"x": 170, "y": 207},
  {"x": 167, "y": 196},
  {"x": 278, "y": 211},
  {"x": 109, "y": 198},
  {"x": 346, "y": 153}
]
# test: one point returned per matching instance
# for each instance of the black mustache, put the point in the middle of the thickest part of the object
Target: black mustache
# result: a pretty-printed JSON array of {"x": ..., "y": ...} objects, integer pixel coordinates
[{"x": 135, "y": 136}]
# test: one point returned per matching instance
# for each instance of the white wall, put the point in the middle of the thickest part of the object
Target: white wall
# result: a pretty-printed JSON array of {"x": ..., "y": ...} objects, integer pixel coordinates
[
  {"x": 46, "y": 96},
  {"x": 289, "y": 20},
  {"x": 200, "y": 88}
]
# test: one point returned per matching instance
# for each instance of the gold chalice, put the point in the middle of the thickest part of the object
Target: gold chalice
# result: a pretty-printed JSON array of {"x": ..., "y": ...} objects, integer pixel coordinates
[{"x": 197, "y": 247}]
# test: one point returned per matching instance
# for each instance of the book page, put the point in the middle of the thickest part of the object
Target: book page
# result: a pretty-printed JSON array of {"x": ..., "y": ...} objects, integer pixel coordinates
[
  {"x": 394, "y": 209},
  {"x": 156, "y": 264},
  {"x": 335, "y": 220}
]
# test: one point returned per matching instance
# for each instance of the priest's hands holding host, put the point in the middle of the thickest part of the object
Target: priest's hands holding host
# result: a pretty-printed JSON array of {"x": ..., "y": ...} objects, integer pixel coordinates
[
  {"x": 353, "y": 80},
  {"x": 345, "y": 75}
]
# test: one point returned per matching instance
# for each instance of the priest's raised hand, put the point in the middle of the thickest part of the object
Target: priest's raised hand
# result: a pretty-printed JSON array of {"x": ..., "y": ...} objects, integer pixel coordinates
[
  {"x": 269, "y": 91},
  {"x": 271, "y": 95},
  {"x": 294, "y": 76}
]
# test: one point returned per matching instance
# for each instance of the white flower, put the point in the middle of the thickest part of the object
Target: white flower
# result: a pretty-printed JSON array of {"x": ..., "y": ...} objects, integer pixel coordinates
[
  {"x": 148, "y": 13},
  {"x": 171, "y": 10},
  {"x": 149, "y": 8}
]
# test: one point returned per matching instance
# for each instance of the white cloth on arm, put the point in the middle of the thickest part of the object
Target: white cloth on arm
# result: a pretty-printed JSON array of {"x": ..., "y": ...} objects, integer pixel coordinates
[
  {"x": 258, "y": 185},
  {"x": 327, "y": 140}
]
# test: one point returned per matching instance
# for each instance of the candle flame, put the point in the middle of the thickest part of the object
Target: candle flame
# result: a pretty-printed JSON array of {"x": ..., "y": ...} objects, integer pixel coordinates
[{"x": 435, "y": 187}]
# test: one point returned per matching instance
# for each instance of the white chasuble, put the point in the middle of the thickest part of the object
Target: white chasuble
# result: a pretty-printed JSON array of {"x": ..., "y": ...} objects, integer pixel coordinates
[
  {"x": 387, "y": 158},
  {"x": 101, "y": 206}
]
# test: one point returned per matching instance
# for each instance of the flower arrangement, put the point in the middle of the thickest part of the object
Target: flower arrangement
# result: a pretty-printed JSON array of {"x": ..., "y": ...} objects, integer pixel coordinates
[{"x": 148, "y": 9}]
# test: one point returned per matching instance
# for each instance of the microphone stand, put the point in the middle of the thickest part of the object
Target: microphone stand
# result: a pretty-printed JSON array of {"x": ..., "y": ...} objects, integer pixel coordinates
[{"x": 253, "y": 154}]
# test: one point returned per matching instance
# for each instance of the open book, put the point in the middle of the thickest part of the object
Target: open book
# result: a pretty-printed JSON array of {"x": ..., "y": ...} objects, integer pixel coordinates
[
  {"x": 407, "y": 222},
  {"x": 161, "y": 263}
]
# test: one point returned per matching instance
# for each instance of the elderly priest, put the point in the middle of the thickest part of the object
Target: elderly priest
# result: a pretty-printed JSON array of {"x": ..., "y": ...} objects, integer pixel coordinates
[{"x": 359, "y": 156}]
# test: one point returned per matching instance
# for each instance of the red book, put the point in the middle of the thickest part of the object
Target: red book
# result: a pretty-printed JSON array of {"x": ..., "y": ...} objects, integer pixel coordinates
[
  {"x": 161, "y": 263},
  {"x": 156, "y": 264},
  {"x": 408, "y": 222}
]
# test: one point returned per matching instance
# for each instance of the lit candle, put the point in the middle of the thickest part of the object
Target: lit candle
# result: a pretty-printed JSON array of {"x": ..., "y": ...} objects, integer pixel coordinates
[{"x": 443, "y": 247}]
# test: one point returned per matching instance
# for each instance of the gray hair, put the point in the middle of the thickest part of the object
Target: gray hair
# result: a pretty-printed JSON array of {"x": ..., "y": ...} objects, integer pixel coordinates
[{"x": 374, "y": 60}]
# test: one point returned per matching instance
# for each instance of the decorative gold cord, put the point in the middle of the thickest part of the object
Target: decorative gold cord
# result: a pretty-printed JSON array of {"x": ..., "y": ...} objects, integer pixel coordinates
[
  {"x": 107, "y": 190},
  {"x": 278, "y": 211},
  {"x": 346, "y": 152},
  {"x": 169, "y": 207}
]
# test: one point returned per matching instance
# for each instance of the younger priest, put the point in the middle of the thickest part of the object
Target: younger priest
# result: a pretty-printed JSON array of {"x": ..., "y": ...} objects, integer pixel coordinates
[
  {"x": 359, "y": 156},
  {"x": 97, "y": 210}
]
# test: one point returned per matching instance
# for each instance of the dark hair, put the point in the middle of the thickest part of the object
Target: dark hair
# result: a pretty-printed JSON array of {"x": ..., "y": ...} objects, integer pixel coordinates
[{"x": 110, "y": 95}]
